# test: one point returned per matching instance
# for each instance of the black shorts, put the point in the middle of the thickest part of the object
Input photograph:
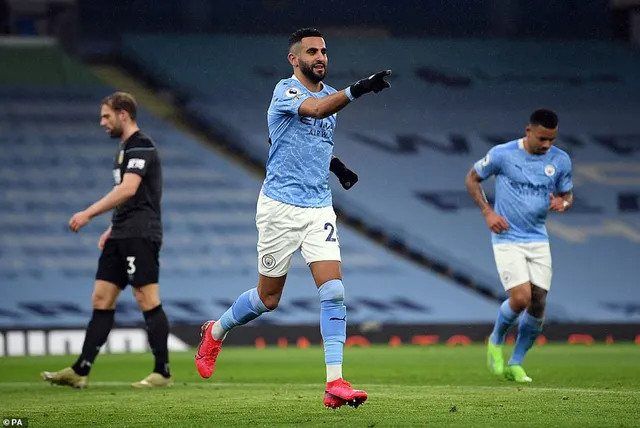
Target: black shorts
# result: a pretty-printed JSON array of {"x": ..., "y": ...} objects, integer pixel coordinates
[{"x": 132, "y": 261}]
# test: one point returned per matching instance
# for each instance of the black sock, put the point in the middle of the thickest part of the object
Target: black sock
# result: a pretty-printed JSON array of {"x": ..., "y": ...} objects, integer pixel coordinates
[
  {"x": 96, "y": 336},
  {"x": 158, "y": 332}
]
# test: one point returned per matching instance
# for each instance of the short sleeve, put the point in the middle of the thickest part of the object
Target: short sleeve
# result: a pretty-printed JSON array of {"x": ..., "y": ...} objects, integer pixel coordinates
[
  {"x": 288, "y": 96},
  {"x": 565, "y": 178},
  {"x": 489, "y": 165},
  {"x": 138, "y": 159}
]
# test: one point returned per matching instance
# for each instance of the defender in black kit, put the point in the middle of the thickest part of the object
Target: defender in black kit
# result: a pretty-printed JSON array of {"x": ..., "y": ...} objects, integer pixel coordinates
[{"x": 130, "y": 246}]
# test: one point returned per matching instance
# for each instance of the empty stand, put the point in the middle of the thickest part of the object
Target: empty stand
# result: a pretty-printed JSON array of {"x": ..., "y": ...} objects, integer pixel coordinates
[
  {"x": 56, "y": 160},
  {"x": 449, "y": 103}
]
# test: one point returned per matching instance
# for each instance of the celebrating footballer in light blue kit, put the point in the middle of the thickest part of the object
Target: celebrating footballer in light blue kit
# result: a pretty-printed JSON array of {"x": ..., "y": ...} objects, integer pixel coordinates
[
  {"x": 531, "y": 178},
  {"x": 301, "y": 149},
  {"x": 294, "y": 210}
]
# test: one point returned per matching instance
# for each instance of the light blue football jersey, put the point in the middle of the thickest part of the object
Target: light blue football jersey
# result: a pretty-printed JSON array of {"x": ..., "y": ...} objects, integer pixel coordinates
[
  {"x": 523, "y": 185},
  {"x": 301, "y": 148}
]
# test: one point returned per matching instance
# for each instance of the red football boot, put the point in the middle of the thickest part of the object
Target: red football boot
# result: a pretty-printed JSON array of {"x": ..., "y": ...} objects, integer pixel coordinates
[
  {"x": 207, "y": 351},
  {"x": 339, "y": 392}
]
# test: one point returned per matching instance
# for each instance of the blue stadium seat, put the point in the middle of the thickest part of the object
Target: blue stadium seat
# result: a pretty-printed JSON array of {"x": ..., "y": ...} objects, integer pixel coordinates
[
  {"x": 450, "y": 101},
  {"x": 58, "y": 161}
]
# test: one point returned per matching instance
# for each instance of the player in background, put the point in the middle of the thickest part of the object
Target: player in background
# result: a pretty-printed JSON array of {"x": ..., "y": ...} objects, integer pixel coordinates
[
  {"x": 533, "y": 177},
  {"x": 294, "y": 209},
  {"x": 130, "y": 246}
]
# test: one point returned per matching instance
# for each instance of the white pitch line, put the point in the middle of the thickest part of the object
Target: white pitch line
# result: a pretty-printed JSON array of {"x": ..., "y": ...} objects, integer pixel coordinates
[{"x": 516, "y": 388}]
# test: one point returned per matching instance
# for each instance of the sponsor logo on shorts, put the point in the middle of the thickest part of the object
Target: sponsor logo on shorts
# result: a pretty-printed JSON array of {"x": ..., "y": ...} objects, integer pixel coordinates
[{"x": 268, "y": 261}]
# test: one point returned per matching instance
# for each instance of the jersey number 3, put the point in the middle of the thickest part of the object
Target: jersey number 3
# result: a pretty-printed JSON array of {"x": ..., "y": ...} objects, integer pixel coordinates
[{"x": 131, "y": 268}]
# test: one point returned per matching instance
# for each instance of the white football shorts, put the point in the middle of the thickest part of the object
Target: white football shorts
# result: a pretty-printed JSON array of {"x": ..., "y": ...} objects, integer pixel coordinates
[
  {"x": 284, "y": 228},
  {"x": 518, "y": 263}
]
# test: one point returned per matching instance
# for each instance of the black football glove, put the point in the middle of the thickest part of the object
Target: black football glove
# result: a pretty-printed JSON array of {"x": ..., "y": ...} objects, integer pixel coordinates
[
  {"x": 347, "y": 177},
  {"x": 374, "y": 83}
]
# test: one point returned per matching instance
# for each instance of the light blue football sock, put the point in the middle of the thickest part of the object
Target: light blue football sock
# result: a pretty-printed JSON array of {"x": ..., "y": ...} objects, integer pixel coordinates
[
  {"x": 506, "y": 318},
  {"x": 529, "y": 329},
  {"x": 333, "y": 320},
  {"x": 247, "y": 307}
]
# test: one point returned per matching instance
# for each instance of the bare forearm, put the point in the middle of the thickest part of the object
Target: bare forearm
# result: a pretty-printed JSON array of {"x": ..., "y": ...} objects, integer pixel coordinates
[
  {"x": 474, "y": 188},
  {"x": 115, "y": 197},
  {"x": 326, "y": 106}
]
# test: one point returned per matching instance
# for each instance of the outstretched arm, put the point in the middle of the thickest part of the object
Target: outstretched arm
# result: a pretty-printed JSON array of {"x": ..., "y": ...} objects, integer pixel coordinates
[{"x": 320, "y": 108}]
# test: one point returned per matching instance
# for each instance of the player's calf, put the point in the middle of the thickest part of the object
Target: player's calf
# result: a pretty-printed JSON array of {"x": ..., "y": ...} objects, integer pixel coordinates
[
  {"x": 247, "y": 307},
  {"x": 538, "y": 301}
]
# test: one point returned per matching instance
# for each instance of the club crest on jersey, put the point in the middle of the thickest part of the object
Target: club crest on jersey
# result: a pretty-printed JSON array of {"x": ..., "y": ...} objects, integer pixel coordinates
[
  {"x": 549, "y": 170},
  {"x": 268, "y": 261},
  {"x": 120, "y": 157}
]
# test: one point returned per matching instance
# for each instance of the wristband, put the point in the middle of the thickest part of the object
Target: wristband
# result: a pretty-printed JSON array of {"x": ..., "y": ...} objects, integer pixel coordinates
[{"x": 347, "y": 92}]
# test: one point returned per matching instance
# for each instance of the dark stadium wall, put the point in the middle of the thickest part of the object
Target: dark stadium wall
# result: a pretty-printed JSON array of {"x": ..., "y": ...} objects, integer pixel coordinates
[
  {"x": 467, "y": 18},
  {"x": 62, "y": 341}
]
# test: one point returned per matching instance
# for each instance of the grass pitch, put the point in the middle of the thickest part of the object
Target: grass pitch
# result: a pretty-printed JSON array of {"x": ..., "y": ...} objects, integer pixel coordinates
[{"x": 574, "y": 385}]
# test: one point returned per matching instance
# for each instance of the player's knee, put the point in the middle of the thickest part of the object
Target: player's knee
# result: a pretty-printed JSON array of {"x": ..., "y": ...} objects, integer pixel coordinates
[
  {"x": 270, "y": 290},
  {"x": 102, "y": 300},
  {"x": 520, "y": 302},
  {"x": 147, "y": 299},
  {"x": 271, "y": 301},
  {"x": 332, "y": 291},
  {"x": 538, "y": 302},
  {"x": 520, "y": 297}
]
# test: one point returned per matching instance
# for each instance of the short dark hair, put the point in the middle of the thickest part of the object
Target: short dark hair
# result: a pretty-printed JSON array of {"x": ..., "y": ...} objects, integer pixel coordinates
[
  {"x": 545, "y": 118},
  {"x": 119, "y": 101},
  {"x": 300, "y": 34}
]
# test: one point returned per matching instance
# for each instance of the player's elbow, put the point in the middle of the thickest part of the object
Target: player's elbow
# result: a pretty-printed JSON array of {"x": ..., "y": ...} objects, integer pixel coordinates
[
  {"x": 315, "y": 109},
  {"x": 469, "y": 180},
  {"x": 317, "y": 112},
  {"x": 321, "y": 114},
  {"x": 128, "y": 191}
]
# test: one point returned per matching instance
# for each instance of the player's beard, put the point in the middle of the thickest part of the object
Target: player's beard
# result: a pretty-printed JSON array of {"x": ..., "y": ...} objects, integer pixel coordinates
[
  {"x": 116, "y": 131},
  {"x": 311, "y": 74},
  {"x": 540, "y": 150}
]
